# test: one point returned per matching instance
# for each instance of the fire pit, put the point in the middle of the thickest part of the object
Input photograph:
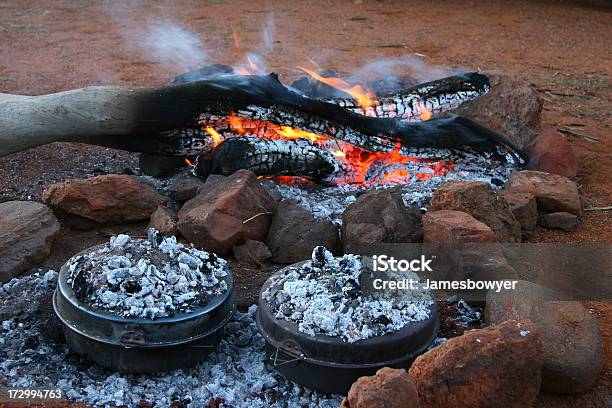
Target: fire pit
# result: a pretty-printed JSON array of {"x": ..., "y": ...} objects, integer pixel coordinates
[
  {"x": 322, "y": 332},
  {"x": 125, "y": 303}
]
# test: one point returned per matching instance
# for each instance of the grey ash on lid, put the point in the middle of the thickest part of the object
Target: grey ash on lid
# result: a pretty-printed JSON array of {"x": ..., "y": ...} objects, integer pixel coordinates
[
  {"x": 146, "y": 278},
  {"x": 323, "y": 296}
]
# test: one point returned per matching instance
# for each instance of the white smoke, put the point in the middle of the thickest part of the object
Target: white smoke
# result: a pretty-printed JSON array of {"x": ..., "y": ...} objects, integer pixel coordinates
[
  {"x": 172, "y": 46},
  {"x": 408, "y": 69},
  {"x": 256, "y": 61}
]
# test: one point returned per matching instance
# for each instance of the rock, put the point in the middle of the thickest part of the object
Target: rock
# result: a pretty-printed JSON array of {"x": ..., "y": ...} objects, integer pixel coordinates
[
  {"x": 105, "y": 200},
  {"x": 573, "y": 346},
  {"x": 480, "y": 201},
  {"x": 379, "y": 216},
  {"x": 164, "y": 220},
  {"x": 253, "y": 253},
  {"x": 294, "y": 233},
  {"x": 553, "y": 193},
  {"x": 499, "y": 366},
  {"x": 27, "y": 230},
  {"x": 159, "y": 166},
  {"x": 455, "y": 227},
  {"x": 463, "y": 248},
  {"x": 272, "y": 189},
  {"x": 226, "y": 212},
  {"x": 184, "y": 187},
  {"x": 562, "y": 220},
  {"x": 550, "y": 152},
  {"x": 512, "y": 107},
  {"x": 525, "y": 209},
  {"x": 389, "y": 388}
]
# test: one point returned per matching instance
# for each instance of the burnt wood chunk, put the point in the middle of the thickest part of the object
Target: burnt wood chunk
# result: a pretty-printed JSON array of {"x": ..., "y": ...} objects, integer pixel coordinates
[{"x": 266, "y": 157}]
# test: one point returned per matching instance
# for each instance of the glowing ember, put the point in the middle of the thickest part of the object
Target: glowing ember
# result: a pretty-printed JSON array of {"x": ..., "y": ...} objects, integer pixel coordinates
[
  {"x": 360, "y": 166},
  {"x": 235, "y": 123},
  {"x": 188, "y": 162},
  {"x": 365, "y": 99}
]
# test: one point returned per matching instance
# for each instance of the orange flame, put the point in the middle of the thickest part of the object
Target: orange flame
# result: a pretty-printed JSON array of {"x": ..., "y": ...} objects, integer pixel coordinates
[
  {"x": 216, "y": 137},
  {"x": 253, "y": 66},
  {"x": 188, "y": 162},
  {"x": 424, "y": 113},
  {"x": 287, "y": 132},
  {"x": 365, "y": 99},
  {"x": 236, "y": 38}
]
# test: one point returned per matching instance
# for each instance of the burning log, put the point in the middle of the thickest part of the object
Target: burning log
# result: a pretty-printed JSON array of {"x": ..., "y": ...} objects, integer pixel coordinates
[
  {"x": 267, "y": 157},
  {"x": 423, "y": 101},
  {"x": 169, "y": 120}
]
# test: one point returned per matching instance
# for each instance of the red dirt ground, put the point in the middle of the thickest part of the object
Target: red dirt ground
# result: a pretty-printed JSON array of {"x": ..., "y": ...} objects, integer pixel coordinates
[{"x": 561, "y": 47}]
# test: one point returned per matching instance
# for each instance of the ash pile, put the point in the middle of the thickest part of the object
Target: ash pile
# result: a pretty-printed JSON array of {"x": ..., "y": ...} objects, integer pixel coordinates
[
  {"x": 324, "y": 296},
  {"x": 146, "y": 278}
]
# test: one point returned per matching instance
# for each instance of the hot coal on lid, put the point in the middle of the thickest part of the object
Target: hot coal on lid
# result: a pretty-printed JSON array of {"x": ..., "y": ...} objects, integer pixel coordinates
[
  {"x": 323, "y": 296},
  {"x": 147, "y": 278}
]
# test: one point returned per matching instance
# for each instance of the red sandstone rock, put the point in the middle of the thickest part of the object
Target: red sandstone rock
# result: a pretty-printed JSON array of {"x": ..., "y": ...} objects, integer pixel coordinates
[
  {"x": 252, "y": 253},
  {"x": 480, "y": 201},
  {"x": 109, "y": 199},
  {"x": 463, "y": 248},
  {"x": 562, "y": 220},
  {"x": 455, "y": 227},
  {"x": 227, "y": 212},
  {"x": 389, "y": 388},
  {"x": 184, "y": 187},
  {"x": 379, "y": 216},
  {"x": 553, "y": 193},
  {"x": 550, "y": 152},
  {"x": 294, "y": 233},
  {"x": 525, "y": 209},
  {"x": 27, "y": 230},
  {"x": 164, "y": 220},
  {"x": 499, "y": 366},
  {"x": 512, "y": 107},
  {"x": 572, "y": 341}
]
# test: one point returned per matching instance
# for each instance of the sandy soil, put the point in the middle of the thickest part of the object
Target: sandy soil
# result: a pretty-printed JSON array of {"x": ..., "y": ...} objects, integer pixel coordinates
[{"x": 561, "y": 47}]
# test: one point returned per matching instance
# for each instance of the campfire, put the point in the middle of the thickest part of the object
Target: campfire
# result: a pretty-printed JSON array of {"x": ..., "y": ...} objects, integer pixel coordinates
[{"x": 293, "y": 146}]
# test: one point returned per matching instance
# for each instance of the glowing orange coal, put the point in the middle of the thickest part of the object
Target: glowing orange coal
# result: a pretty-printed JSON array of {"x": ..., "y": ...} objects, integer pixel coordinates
[
  {"x": 365, "y": 98},
  {"x": 362, "y": 161}
]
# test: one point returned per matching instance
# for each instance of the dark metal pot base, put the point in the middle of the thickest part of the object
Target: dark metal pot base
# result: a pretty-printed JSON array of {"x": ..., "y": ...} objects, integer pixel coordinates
[
  {"x": 137, "y": 345},
  {"x": 331, "y": 365}
]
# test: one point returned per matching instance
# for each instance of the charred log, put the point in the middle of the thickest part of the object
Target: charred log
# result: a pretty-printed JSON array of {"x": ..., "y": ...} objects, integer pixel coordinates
[
  {"x": 267, "y": 157},
  {"x": 434, "y": 97}
]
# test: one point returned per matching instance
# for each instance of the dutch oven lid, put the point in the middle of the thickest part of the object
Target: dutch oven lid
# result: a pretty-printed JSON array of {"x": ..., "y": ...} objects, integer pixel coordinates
[
  {"x": 137, "y": 332},
  {"x": 284, "y": 335}
]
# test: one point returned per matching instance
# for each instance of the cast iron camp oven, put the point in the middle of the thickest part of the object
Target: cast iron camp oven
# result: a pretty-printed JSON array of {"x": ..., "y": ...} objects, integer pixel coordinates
[
  {"x": 136, "y": 345},
  {"x": 331, "y": 365}
]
